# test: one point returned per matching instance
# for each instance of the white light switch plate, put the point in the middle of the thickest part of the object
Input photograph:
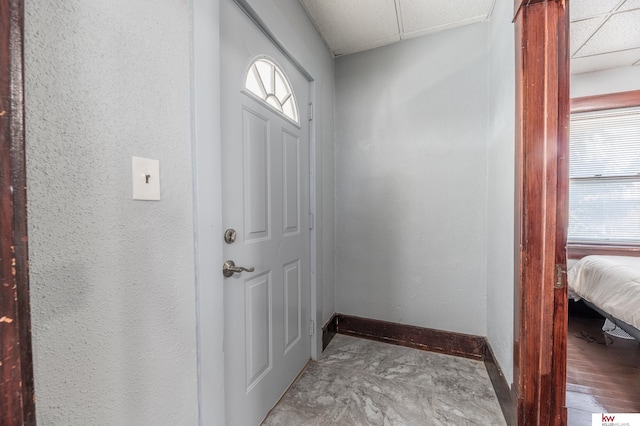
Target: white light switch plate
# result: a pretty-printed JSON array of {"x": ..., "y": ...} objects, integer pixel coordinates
[{"x": 146, "y": 179}]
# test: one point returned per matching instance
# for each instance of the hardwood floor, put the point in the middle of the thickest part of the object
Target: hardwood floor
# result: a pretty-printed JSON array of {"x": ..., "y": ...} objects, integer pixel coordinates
[{"x": 603, "y": 372}]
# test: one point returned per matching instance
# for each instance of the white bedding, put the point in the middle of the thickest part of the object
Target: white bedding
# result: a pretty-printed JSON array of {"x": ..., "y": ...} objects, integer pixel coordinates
[{"x": 612, "y": 283}]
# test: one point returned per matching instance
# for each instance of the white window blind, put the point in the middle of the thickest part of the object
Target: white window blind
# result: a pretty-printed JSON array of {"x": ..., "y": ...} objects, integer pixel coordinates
[{"x": 604, "y": 173}]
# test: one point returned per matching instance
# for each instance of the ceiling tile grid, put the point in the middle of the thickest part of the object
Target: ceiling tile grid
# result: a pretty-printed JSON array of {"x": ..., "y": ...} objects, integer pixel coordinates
[
  {"x": 609, "y": 38},
  {"x": 605, "y": 61},
  {"x": 350, "y": 26},
  {"x": 354, "y": 25},
  {"x": 581, "y": 32},
  {"x": 581, "y": 9},
  {"x": 629, "y": 5},
  {"x": 604, "y": 34},
  {"x": 420, "y": 17}
]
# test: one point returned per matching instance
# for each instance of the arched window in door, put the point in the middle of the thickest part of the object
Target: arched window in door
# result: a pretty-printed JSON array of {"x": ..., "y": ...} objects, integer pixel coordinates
[{"x": 268, "y": 82}]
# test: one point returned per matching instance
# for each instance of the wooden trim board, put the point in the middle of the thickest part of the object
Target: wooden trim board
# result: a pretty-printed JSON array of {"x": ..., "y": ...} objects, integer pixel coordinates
[
  {"x": 447, "y": 342},
  {"x": 606, "y": 101},
  {"x": 542, "y": 118},
  {"x": 17, "y": 406},
  {"x": 329, "y": 331},
  {"x": 507, "y": 396}
]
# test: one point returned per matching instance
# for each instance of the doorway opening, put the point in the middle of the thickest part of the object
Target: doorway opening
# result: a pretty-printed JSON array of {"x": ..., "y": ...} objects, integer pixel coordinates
[{"x": 602, "y": 358}]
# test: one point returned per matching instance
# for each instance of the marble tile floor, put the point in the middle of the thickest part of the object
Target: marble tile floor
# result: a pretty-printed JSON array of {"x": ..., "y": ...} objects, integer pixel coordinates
[{"x": 363, "y": 382}]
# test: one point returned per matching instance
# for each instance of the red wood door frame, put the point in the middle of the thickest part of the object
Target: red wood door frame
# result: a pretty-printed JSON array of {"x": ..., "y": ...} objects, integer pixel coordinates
[
  {"x": 17, "y": 405},
  {"x": 542, "y": 119}
]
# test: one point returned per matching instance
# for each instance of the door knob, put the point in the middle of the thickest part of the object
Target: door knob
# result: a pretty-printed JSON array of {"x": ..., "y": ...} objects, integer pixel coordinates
[{"x": 229, "y": 268}]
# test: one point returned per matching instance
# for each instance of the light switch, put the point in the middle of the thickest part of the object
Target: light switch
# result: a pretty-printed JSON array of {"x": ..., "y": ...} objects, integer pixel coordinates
[{"x": 146, "y": 178}]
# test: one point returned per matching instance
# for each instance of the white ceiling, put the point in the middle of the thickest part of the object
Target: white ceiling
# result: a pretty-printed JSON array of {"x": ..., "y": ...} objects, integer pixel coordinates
[
  {"x": 350, "y": 26},
  {"x": 604, "y": 33}
]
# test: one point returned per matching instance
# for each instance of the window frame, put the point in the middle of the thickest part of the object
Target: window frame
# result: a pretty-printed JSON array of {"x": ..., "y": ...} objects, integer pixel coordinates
[
  {"x": 599, "y": 103},
  {"x": 262, "y": 99}
]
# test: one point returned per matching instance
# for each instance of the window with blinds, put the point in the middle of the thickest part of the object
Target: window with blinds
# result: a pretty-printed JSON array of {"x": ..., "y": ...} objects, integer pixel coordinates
[{"x": 604, "y": 177}]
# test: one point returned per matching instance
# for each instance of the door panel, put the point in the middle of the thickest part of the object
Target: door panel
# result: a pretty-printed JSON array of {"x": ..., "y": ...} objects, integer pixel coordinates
[
  {"x": 265, "y": 189},
  {"x": 291, "y": 181},
  {"x": 292, "y": 306},
  {"x": 258, "y": 333},
  {"x": 257, "y": 188}
]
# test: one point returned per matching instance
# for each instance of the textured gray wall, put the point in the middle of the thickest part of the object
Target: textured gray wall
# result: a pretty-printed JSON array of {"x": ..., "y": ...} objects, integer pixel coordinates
[
  {"x": 411, "y": 181},
  {"x": 112, "y": 279},
  {"x": 501, "y": 187}
]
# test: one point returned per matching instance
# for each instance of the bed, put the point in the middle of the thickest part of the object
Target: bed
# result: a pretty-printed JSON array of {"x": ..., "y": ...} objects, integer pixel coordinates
[{"x": 610, "y": 285}]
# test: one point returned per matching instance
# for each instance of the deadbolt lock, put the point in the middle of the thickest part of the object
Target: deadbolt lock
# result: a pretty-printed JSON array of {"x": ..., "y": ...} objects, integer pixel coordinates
[{"x": 230, "y": 236}]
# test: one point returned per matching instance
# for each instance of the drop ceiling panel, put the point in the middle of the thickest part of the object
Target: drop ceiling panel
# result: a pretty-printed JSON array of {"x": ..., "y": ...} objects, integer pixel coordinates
[
  {"x": 629, "y": 5},
  {"x": 604, "y": 33},
  {"x": 349, "y": 26},
  {"x": 582, "y": 30},
  {"x": 605, "y": 61},
  {"x": 422, "y": 16},
  {"x": 581, "y": 9},
  {"x": 620, "y": 32}
]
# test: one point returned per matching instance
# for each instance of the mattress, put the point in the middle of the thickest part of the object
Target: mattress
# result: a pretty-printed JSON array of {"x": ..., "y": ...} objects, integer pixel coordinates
[{"x": 612, "y": 283}]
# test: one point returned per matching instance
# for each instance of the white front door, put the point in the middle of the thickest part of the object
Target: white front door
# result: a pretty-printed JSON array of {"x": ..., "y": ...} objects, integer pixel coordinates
[{"x": 265, "y": 188}]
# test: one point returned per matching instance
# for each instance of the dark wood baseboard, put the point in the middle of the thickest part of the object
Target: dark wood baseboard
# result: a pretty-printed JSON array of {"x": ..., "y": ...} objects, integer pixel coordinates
[
  {"x": 446, "y": 342},
  {"x": 506, "y": 396},
  {"x": 329, "y": 331},
  {"x": 458, "y": 344}
]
